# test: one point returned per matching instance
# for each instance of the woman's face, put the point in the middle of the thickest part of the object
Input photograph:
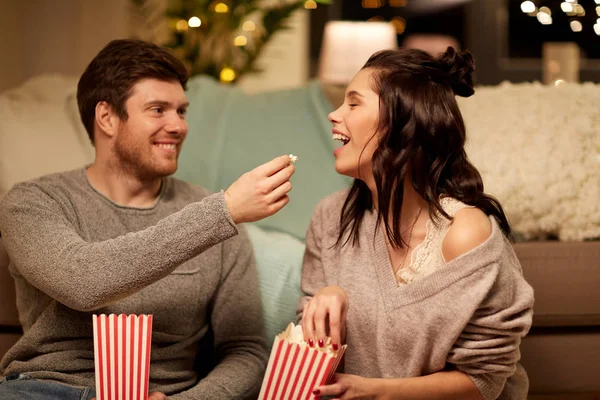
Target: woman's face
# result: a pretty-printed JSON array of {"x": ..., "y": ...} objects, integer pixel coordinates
[{"x": 355, "y": 124}]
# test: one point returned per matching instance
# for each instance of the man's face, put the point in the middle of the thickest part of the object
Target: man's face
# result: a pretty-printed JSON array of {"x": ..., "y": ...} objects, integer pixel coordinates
[{"x": 148, "y": 143}]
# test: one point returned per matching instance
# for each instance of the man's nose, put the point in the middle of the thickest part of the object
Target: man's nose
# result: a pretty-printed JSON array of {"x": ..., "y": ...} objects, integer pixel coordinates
[{"x": 177, "y": 125}]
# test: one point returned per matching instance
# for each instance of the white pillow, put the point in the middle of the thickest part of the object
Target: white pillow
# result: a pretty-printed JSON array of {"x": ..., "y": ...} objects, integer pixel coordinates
[
  {"x": 538, "y": 150},
  {"x": 40, "y": 130}
]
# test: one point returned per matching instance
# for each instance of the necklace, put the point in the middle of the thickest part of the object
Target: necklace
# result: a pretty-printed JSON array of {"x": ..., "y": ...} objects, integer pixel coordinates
[{"x": 410, "y": 230}]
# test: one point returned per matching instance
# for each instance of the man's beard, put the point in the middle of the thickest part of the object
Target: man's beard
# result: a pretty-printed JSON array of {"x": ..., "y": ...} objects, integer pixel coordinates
[{"x": 134, "y": 159}]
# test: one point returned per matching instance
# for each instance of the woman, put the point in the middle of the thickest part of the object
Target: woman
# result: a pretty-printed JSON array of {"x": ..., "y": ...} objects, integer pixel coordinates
[{"x": 412, "y": 267}]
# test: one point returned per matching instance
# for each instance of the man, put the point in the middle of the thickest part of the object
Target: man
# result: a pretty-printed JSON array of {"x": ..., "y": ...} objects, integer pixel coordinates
[{"x": 121, "y": 236}]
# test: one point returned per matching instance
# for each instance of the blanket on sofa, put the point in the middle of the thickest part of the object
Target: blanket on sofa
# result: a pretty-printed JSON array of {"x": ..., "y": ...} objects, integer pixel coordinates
[{"x": 538, "y": 150}]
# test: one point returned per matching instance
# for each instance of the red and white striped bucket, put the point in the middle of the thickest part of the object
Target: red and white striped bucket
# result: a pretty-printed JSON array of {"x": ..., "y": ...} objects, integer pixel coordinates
[
  {"x": 122, "y": 356},
  {"x": 295, "y": 370}
]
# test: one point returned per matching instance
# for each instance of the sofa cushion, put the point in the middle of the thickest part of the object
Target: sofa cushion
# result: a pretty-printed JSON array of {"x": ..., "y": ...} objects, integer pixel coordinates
[
  {"x": 565, "y": 277},
  {"x": 562, "y": 361},
  {"x": 40, "y": 131},
  {"x": 279, "y": 262}
]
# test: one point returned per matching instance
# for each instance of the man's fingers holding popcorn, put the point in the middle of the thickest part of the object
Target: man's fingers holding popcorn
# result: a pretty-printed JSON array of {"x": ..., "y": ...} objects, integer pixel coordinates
[
  {"x": 279, "y": 204},
  {"x": 261, "y": 192},
  {"x": 280, "y": 177},
  {"x": 273, "y": 166},
  {"x": 280, "y": 191}
]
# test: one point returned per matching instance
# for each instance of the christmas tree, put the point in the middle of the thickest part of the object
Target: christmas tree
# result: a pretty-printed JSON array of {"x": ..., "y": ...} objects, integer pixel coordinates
[{"x": 220, "y": 38}]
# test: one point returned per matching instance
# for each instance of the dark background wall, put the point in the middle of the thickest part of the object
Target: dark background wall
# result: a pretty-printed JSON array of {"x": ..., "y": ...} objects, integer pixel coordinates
[{"x": 506, "y": 43}]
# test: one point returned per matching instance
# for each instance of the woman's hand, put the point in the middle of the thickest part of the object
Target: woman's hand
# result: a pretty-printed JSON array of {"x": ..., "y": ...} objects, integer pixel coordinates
[
  {"x": 449, "y": 385},
  {"x": 325, "y": 315},
  {"x": 349, "y": 387}
]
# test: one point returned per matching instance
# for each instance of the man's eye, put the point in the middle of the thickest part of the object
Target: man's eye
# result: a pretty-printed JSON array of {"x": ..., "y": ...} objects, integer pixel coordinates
[
  {"x": 353, "y": 105},
  {"x": 158, "y": 110},
  {"x": 183, "y": 112}
]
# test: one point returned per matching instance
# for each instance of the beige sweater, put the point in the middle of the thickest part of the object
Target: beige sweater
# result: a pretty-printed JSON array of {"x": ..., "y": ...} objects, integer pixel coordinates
[
  {"x": 73, "y": 253},
  {"x": 470, "y": 313}
]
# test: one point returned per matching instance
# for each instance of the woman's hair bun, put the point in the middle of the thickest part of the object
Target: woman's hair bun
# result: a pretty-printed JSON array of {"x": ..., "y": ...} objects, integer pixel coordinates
[{"x": 460, "y": 66}]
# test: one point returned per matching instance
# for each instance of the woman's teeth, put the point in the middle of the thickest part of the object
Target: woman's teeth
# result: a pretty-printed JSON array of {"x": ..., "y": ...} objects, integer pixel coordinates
[{"x": 339, "y": 136}]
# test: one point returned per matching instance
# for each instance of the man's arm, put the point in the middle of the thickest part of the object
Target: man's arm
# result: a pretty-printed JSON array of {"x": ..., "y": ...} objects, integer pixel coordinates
[
  {"x": 238, "y": 329},
  {"x": 46, "y": 249}
]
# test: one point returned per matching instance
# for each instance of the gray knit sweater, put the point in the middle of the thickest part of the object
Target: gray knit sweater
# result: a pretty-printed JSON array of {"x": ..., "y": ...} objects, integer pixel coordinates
[
  {"x": 470, "y": 313},
  {"x": 73, "y": 252}
]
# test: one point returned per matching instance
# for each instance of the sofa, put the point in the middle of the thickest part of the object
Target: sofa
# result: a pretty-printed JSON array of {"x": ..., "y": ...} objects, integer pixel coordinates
[{"x": 536, "y": 146}]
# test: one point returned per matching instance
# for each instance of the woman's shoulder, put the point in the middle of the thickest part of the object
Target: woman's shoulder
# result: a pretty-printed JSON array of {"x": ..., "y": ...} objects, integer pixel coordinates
[{"x": 470, "y": 227}]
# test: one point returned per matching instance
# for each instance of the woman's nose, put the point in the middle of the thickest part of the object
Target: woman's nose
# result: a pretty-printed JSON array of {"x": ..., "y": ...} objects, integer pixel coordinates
[{"x": 334, "y": 116}]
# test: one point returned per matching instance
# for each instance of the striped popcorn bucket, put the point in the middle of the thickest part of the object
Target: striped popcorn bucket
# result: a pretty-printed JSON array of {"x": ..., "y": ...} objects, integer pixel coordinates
[
  {"x": 295, "y": 369},
  {"x": 122, "y": 356}
]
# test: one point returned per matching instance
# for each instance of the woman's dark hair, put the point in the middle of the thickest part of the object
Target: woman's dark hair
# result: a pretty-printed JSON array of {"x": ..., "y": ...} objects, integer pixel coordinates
[
  {"x": 121, "y": 64},
  {"x": 421, "y": 130}
]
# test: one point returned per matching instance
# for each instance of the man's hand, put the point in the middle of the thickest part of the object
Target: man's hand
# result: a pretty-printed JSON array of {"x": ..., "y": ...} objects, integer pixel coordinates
[{"x": 261, "y": 192}]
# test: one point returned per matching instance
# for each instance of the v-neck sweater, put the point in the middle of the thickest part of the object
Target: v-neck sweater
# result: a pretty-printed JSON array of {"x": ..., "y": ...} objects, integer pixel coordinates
[{"x": 469, "y": 314}]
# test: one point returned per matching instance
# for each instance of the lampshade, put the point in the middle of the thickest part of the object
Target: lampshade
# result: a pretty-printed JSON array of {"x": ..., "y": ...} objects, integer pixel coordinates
[
  {"x": 347, "y": 45},
  {"x": 560, "y": 62}
]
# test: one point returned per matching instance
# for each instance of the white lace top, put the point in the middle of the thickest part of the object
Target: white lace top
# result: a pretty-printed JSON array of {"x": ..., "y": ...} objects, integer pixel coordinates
[{"x": 428, "y": 255}]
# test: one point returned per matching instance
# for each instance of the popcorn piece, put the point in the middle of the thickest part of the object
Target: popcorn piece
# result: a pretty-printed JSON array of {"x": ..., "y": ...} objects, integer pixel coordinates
[
  {"x": 293, "y": 158},
  {"x": 295, "y": 334}
]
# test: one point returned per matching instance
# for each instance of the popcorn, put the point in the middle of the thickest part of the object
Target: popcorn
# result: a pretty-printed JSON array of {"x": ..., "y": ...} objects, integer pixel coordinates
[
  {"x": 295, "y": 334},
  {"x": 295, "y": 369},
  {"x": 293, "y": 158},
  {"x": 122, "y": 356}
]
